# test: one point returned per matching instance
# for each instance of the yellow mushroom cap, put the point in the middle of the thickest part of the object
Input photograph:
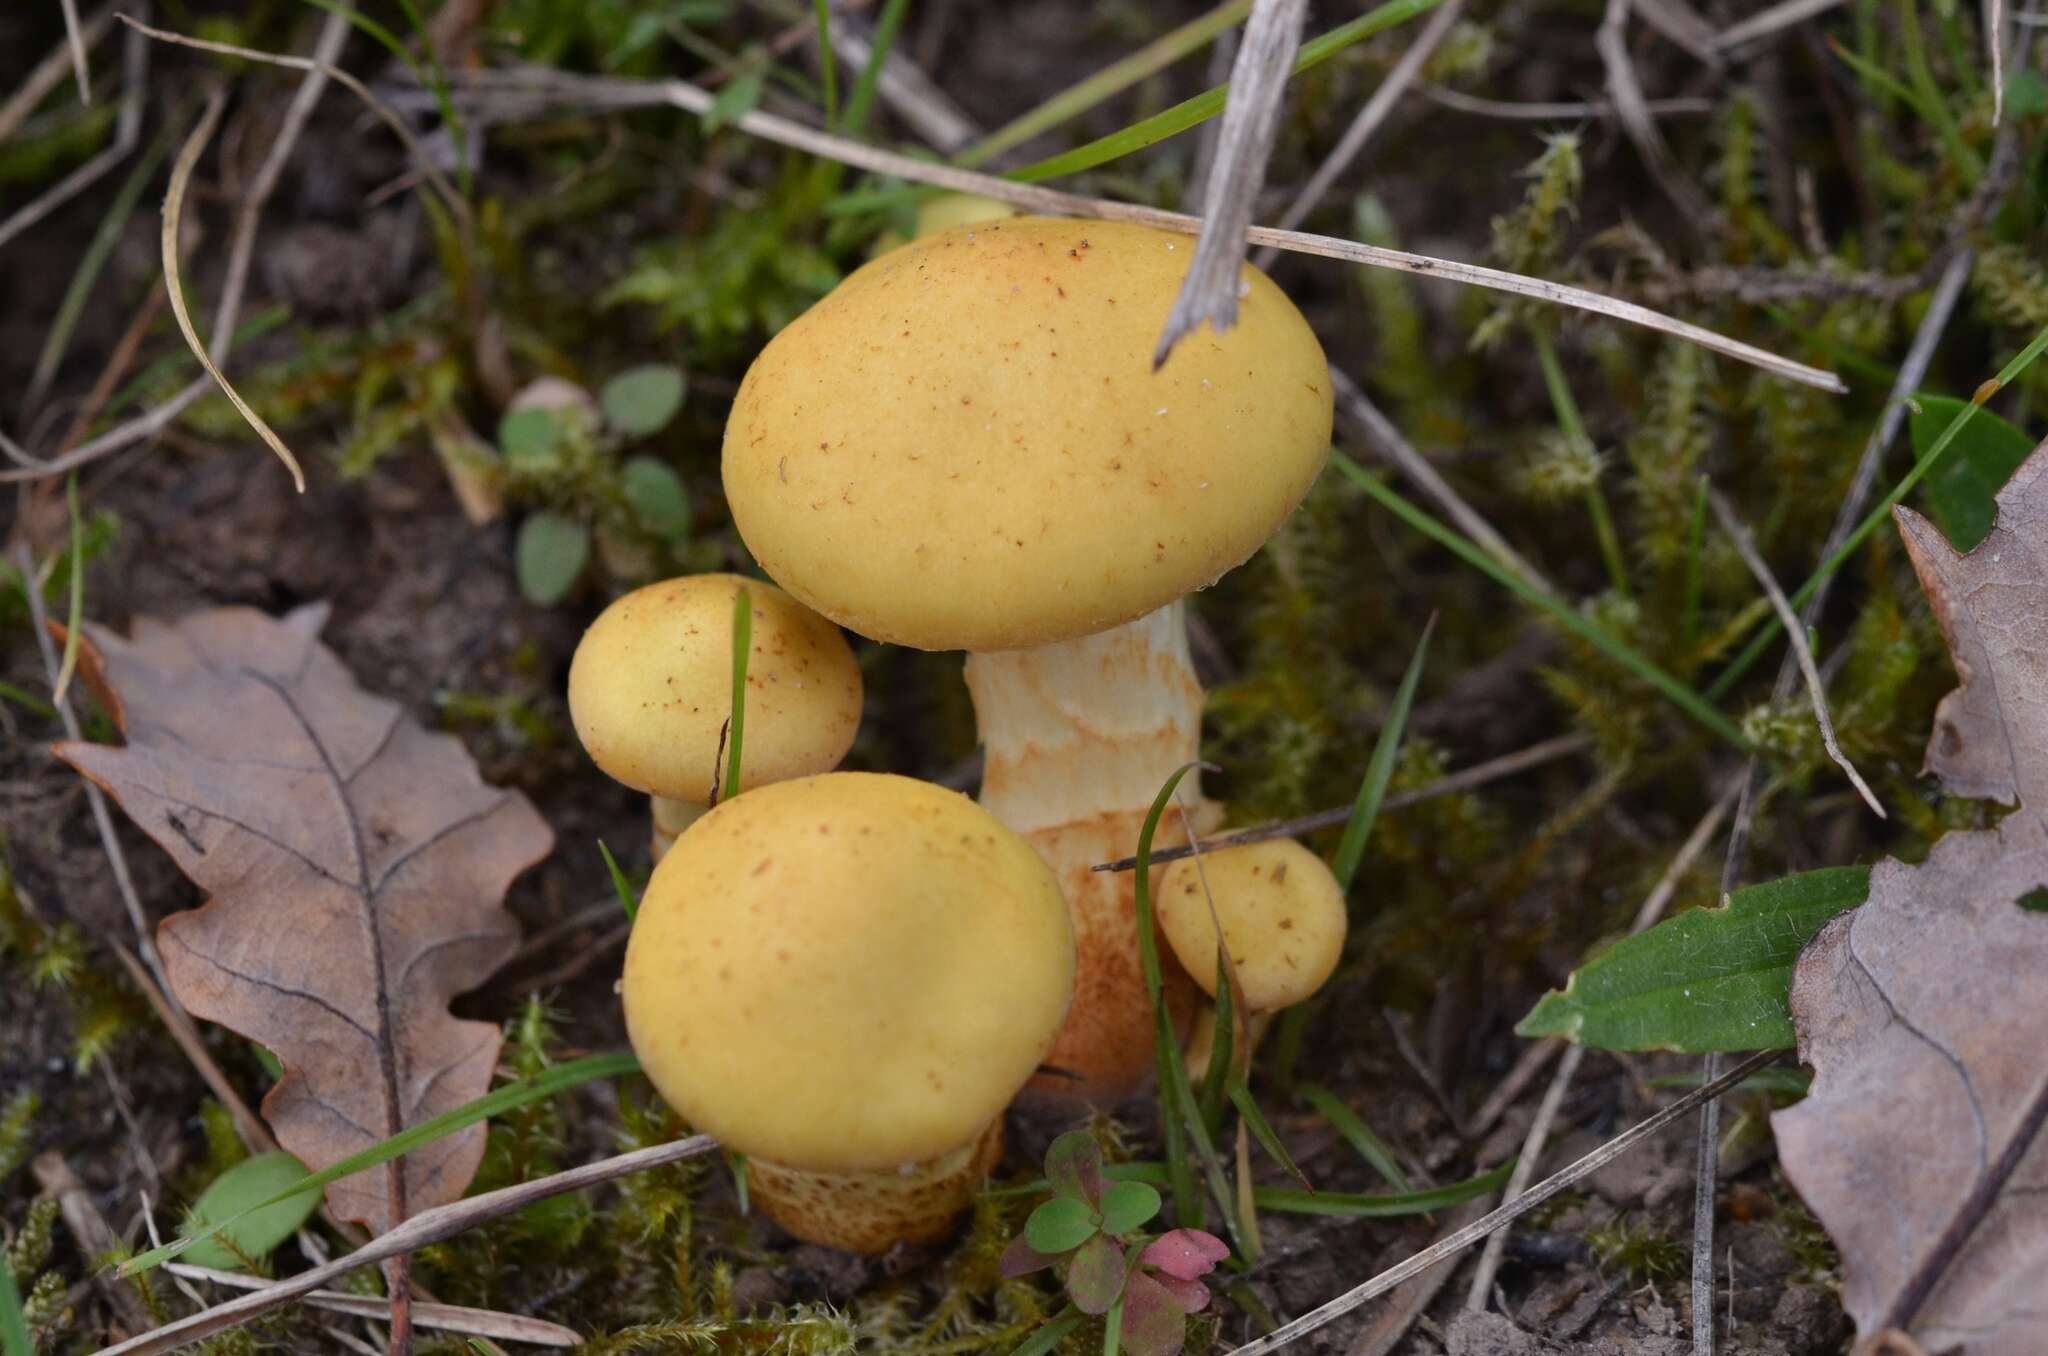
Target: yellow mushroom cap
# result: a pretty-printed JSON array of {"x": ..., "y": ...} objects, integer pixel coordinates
[
  {"x": 847, "y": 973},
  {"x": 651, "y": 687},
  {"x": 1283, "y": 919},
  {"x": 964, "y": 446}
]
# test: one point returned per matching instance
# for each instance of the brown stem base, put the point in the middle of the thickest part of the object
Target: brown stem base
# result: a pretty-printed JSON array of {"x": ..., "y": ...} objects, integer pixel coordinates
[{"x": 871, "y": 1212}]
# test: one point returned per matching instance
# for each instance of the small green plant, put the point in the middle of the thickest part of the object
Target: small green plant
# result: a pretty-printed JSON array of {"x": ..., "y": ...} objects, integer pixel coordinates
[
  {"x": 558, "y": 451},
  {"x": 1143, "y": 1287}
]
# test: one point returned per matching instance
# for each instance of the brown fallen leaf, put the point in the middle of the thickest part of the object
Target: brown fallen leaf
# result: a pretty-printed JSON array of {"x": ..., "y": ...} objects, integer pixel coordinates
[
  {"x": 357, "y": 866},
  {"x": 1923, "y": 1012}
]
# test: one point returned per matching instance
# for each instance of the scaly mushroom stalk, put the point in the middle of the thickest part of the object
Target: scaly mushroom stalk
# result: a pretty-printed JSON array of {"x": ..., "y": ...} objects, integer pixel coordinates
[{"x": 1077, "y": 738}]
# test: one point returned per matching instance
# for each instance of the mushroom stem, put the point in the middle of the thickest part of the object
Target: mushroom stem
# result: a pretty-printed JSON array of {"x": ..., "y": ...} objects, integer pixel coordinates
[
  {"x": 671, "y": 817},
  {"x": 1078, "y": 737},
  {"x": 870, "y": 1212}
]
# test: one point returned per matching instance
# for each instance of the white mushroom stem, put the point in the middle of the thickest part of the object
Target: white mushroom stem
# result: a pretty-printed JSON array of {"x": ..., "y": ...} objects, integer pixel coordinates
[
  {"x": 671, "y": 817},
  {"x": 1078, "y": 737}
]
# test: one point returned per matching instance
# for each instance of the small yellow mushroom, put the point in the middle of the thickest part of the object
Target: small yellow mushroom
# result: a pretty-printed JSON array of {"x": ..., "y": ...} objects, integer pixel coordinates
[{"x": 847, "y": 978}]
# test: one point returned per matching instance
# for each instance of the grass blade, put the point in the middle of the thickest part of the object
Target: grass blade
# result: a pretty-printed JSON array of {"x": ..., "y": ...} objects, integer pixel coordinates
[
  {"x": 510, "y": 1097},
  {"x": 2020, "y": 362},
  {"x": 862, "y": 103},
  {"x": 69, "y": 664},
  {"x": 1681, "y": 696},
  {"x": 628, "y": 901},
  {"x": 1262, "y": 1131},
  {"x": 828, "y": 61},
  {"x": 1207, "y": 104},
  {"x": 742, "y": 646},
  {"x": 1357, "y": 1134},
  {"x": 1106, "y": 83},
  {"x": 1352, "y": 1206},
  {"x": 1216, "y": 1078},
  {"x": 1176, "y": 1098},
  {"x": 1379, "y": 769},
  {"x": 1048, "y": 1337},
  {"x": 13, "y": 1323}
]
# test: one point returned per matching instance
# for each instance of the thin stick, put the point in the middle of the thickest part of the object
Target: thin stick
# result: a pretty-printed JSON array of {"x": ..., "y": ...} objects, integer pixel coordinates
[
  {"x": 1479, "y": 774},
  {"x": 127, "y": 135},
  {"x": 445, "y": 1317},
  {"x": 782, "y": 131},
  {"x": 1775, "y": 19},
  {"x": 1651, "y": 910},
  {"x": 1527, "y": 1065},
  {"x": 1251, "y": 122},
  {"x": 49, "y": 71},
  {"x": 1382, "y": 435},
  {"x": 1367, "y": 122},
  {"x": 1796, "y": 634},
  {"x": 428, "y": 1227},
  {"x": 76, "y": 38},
  {"x": 1504, "y": 1215},
  {"x": 1546, "y": 112},
  {"x": 250, "y": 1130},
  {"x": 1919, "y": 356},
  {"x": 39, "y": 619},
  {"x": 1632, "y": 108}
]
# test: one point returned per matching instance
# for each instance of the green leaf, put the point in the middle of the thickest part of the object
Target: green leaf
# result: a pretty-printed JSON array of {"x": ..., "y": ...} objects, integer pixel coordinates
[
  {"x": 1349, "y": 1206},
  {"x": 250, "y": 1228},
  {"x": 656, "y": 495},
  {"x": 1060, "y": 1225},
  {"x": 551, "y": 554},
  {"x": 1379, "y": 768},
  {"x": 641, "y": 400},
  {"x": 530, "y": 438},
  {"x": 740, "y": 96},
  {"x": 1960, "y": 490},
  {"x": 1127, "y": 1205},
  {"x": 1048, "y": 1337},
  {"x": 1095, "y": 1273},
  {"x": 1711, "y": 979},
  {"x": 508, "y": 1098},
  {"x": 268, "y": 1060},
  {"x": 1073, "y": 1164}
]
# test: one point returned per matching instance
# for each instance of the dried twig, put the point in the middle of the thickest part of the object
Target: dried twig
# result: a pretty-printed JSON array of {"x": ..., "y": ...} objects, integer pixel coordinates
[
  {"x": 1773, "y": 20},
  {"x": 50, "y": 70},
  {"x": 1523, "y": 1072},
  {"x": 586, "y": 91},
  {"x": 1546, "y": 112},
  {"x": 1354, "y": 404},
  {"x": 90, "y": 1232},
  {"x": 1651, "y": 910},
  {"x": 1795, "y": 633},
  {"x": 427, "y": 1227},
  {"x": 1368, "y": 121},
  {"x": 1632, "y": 108},
  {"x": 1251, "y": 120},
  {"x": 445, "y": 1317},
  {"x": 1503, "y": 1216},
  {"x": 76, "y": 38},
  {"x": 127, "y": 135},
  {"x": 1478, "y": 775}
]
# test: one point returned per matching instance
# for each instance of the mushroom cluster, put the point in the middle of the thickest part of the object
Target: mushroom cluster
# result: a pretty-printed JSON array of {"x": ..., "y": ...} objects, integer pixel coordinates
[
  {"x": 848, "y": 977},
  {"x": 965, "y": 447}
]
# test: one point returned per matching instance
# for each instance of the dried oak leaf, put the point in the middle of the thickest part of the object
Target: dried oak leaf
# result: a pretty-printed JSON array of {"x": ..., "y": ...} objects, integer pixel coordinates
[
  {"x": 357, "y": 866},
  {"x": 1924, "y": 1012}
]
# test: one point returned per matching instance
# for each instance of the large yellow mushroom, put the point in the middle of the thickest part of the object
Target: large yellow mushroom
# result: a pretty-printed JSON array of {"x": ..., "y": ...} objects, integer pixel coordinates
[
  {"x": 965, "y": 446},
  {"x": 847, "y": 978}
]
